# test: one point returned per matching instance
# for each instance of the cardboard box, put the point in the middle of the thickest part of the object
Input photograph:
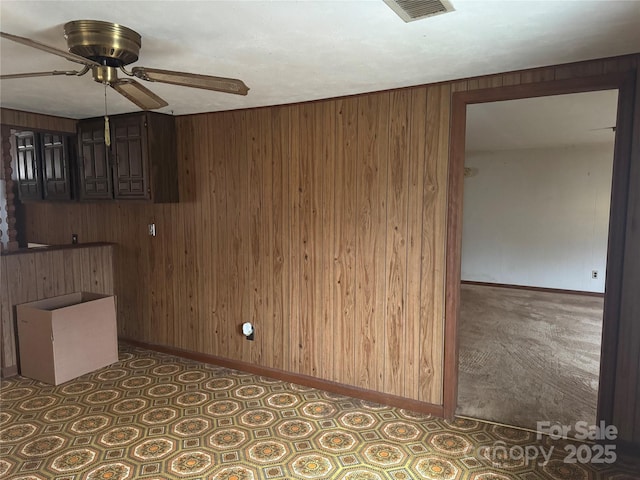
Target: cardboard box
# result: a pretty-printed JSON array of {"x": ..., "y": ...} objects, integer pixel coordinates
[{"x": 63, "y": 337}]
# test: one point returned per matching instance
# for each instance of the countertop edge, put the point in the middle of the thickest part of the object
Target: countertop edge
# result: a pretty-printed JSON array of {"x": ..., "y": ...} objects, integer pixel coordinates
[{"x": 51, "y": 248}]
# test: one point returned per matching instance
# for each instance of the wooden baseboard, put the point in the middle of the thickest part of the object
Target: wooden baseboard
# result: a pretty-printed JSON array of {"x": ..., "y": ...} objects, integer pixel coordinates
[
  {"x": 533, "y": 289},
  {"x": 10, "y": 371},
  {"x": 306, "y": 380}
]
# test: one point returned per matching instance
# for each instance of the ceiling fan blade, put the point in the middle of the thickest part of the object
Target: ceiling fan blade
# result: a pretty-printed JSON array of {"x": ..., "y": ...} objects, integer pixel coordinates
[
  {"x": 46, "y": 48},
  {"x": 207, "y": 82},
  {"x": 138, "y": 94},
  {"x": 39, "y": 74}
]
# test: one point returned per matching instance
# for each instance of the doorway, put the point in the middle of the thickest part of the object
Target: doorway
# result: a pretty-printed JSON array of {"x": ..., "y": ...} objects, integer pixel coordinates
[
  {"x": 536, "y": 206},
  {"x": 625, "y": 84}
]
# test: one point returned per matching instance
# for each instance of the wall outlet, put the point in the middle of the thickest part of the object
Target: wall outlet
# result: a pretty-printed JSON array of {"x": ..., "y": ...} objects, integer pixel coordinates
[
  {"x": 152, "y": 229},
  {"x": 248, "y": 331},
  {"x": 594, "y": 274}
]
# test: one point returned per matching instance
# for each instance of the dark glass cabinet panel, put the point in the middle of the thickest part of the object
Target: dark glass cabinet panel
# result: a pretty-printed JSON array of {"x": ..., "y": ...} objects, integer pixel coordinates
[
  {"x": 55, "y": 166},
  {"x": 28, "y": 166}
]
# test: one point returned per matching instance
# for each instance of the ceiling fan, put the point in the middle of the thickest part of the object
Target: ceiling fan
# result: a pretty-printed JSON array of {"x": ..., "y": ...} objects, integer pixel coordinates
[{"x": 105, "y": 48}]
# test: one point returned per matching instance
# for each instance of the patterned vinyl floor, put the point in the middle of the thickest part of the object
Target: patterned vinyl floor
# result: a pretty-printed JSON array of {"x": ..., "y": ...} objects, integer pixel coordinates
[{"x": 155, "y": 416}]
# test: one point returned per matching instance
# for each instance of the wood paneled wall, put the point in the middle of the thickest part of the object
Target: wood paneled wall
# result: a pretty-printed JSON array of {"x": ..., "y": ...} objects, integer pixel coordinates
[
  {"x": 322, "y": 223},
  {"x": 34, "y": 275},
  {"x": 36, "y": 121}
]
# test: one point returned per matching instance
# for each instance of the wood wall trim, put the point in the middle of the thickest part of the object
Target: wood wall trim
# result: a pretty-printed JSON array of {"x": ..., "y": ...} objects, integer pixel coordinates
[
  {"x": 625, "y": 401},
  {"x": 533, "y": 289},
  {"x": 543, "y": 89},
  {"x": 297, "y": 378},
  {"x": 454, "y": 259},
  {"x": 625, "y": 83}
]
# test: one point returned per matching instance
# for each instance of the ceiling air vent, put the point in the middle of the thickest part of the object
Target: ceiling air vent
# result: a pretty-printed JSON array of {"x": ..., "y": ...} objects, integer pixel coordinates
[{"x": 410, "y": 10}]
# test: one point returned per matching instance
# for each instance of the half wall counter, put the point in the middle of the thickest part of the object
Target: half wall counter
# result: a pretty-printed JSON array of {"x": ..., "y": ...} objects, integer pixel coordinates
[{"x": 31, "y": 274}]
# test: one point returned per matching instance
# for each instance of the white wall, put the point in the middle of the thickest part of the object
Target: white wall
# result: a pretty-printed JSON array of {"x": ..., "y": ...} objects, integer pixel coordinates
[{"x": 538, "y": 217}]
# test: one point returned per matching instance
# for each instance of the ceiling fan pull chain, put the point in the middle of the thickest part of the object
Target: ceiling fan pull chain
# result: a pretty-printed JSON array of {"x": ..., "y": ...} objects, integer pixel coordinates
[{"x": 107, "y": 133}]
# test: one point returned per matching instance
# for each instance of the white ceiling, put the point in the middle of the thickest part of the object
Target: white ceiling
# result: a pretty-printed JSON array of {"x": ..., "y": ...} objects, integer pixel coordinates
[
  {"x": 557, "y": 121},
  {"x": 292, "y": 51}
]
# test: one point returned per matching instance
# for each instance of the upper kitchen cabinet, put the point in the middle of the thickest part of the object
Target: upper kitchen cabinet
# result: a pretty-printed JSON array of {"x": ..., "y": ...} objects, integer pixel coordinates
[
  {"x": 140, "y": 163},
  {"x": 42, "y": 165},
  {"x": 94, "y": 167}
]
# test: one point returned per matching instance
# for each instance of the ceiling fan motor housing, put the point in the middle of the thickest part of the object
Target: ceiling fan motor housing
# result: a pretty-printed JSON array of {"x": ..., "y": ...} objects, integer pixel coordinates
[{"x": 109, "y": 44}]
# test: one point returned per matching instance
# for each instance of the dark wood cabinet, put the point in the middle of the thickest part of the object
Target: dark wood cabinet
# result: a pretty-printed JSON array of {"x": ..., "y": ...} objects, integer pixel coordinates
[
  {"x": 94, "y": 179},
  {"x": 140, "y": 163},
  {"x": 42, "y": 165},
  {"x": 129, "y": 147},
  {"x": 28, "y": 167},
  {"x": 56, "y": 158}
]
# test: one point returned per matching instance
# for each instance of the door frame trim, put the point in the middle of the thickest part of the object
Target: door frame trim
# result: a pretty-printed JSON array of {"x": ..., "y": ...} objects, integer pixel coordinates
[{"x": 625, "y": 84}]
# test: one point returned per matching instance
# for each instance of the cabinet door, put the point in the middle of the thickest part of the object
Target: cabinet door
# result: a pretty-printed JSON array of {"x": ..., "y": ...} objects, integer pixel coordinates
[
  {"x": 28, "y": 166},
  {"x": 55, "y": 166},
  {"x": 129, "y": 147},
  {"x": 93, "y": 161}
]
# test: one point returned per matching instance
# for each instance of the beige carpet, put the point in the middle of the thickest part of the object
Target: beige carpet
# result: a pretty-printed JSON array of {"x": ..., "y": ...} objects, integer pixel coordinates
[{"x": 527, "y": 356}]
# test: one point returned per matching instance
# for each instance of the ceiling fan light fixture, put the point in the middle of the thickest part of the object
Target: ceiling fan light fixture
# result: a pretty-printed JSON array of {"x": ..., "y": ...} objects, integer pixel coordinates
[{"x": 105, "y": 74}]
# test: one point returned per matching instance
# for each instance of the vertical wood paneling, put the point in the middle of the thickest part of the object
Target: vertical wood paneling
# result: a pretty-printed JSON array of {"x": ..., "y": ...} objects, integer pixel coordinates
[
  {"x": 396, "y": 242},
  {"x": 434, "y": 237},
  {"x": 205, "y": 241},
  {"x": 344, "y": 241},
  {"x": 510, "y": 79},
  {"x": 585, "y": 69},
  {"x": 538, "y": 75},
  {"x": 373, "y": 135},
  {"x": 188, "y": 263},
  {"x": 217, "y": 265},
  {"x": 326, "y": 172},
  {"x": 259, "y": 244},
  {"x": 324, "y": 223},
  {"x": 295, "y": 308},
  {"x": 311, "y": 240},
  {"x": 7, "y": 334},
  {"x": 266, "y": 234},
  {"x": 19, "y": 119},
  {"x": 418, "y": 154},
  {"x": 280, "y": 235},
  {"x": 238, "y": 189}
]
